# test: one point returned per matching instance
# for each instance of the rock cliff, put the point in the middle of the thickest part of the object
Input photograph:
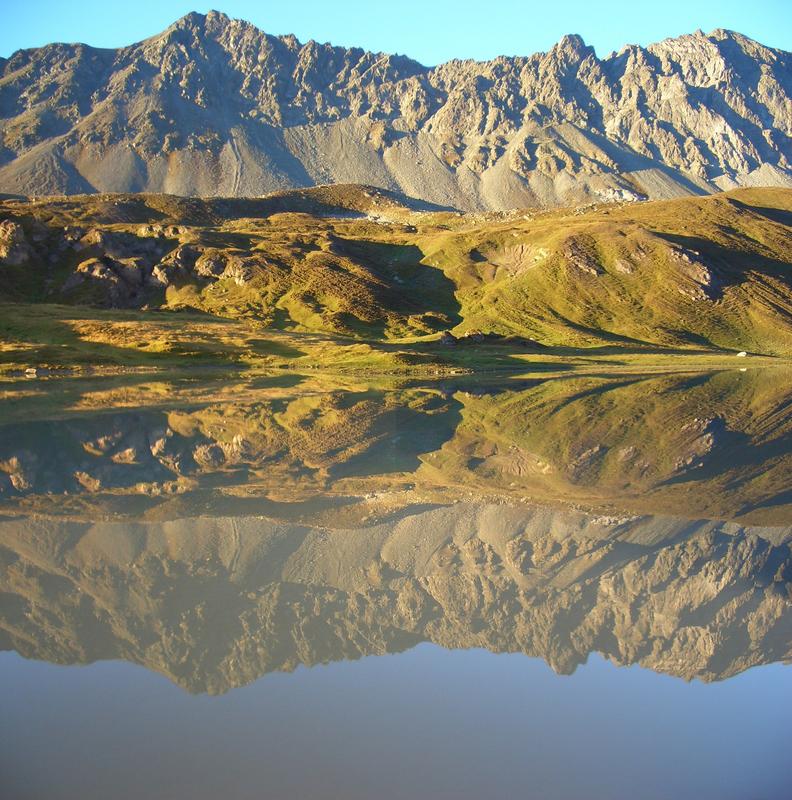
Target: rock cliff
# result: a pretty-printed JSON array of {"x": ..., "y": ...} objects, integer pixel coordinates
[{"x": 214, "y": 106}]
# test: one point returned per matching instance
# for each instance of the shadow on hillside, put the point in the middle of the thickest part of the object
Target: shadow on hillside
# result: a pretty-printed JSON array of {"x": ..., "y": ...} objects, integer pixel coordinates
[
  {"x": 410, "y": 286},
  {"x": 730, "y": 267},
  {"x": 778, "y": 215}
]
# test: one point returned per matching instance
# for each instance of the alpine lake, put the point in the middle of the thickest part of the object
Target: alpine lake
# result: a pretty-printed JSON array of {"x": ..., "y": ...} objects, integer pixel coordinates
[{"x": 299, "y": 586}]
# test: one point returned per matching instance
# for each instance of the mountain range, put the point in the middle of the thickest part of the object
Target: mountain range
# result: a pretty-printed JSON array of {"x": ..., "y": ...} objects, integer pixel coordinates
[
  {"x": 215, "y": 106},
  {"x": 216, "y": 603}
]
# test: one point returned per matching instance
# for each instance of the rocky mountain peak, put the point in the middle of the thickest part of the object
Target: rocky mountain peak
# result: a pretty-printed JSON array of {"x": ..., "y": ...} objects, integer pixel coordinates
[
  {"x": 192, "y": 20},
  {"x": 214, "y": 105},
  {"x": 211, "y": 22},
  {"x": 572, "y": 47}
]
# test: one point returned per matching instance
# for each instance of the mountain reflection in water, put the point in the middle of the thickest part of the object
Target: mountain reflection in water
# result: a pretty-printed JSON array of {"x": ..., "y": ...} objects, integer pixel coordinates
[
  {"x": 214, "y": 603},
  {"x": 218, "y": 531}
]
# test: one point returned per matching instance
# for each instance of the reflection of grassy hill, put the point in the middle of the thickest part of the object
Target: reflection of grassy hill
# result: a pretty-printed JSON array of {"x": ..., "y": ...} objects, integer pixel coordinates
[
  {"x": 283, "y": 444},
  {"x": 702, "y": 445},
  {"x": 349, "y": 262},
  {"x": 715, "y": 445}
]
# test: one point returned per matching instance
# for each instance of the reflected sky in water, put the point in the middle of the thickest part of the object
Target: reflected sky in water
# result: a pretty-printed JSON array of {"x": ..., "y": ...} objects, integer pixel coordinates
[
  {"x": 275, "y": 587},
  {"x": 426, "y": 723}
]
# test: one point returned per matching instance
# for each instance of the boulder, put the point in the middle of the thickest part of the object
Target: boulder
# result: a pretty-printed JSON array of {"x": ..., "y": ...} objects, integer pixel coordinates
[
  {"x": 210, "y": 264},
  {"x": 14, "y": 247},
  {"x": 579, "y": 257},
  {"x": 240, "y": 270},
  {"x": 132, "y": 271},
  {"x": 704, "y": 283},
  {"x": 160, "y": 231},
  {"x": 120, "y": 245},
  {"x": 119, "y": 282}
]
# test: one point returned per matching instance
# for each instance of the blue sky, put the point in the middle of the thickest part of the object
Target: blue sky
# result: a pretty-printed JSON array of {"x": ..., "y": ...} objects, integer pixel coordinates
[{"x": 430, "y": 31}]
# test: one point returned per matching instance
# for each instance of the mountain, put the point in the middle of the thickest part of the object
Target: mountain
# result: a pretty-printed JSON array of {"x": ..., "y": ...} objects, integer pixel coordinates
[
  {"x": 216, "y": 603},
  {"x": 214, "y": 106}
]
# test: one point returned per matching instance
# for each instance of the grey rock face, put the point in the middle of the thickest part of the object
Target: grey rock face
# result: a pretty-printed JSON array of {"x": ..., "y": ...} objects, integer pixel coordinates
[
  {"x": 14, "y": 247},
  {"x": 214, "y": 106}
]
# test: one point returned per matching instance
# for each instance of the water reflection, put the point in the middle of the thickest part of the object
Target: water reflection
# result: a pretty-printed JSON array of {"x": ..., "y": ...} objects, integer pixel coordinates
[
  {"x": 709, "y": 445},
  {"x": 214, "y": 603},
  {"x": 218, "y": 530}
]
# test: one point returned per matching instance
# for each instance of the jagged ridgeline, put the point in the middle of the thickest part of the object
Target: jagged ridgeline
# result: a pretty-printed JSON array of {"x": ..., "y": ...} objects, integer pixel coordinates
[
  {"x": 713, "y": 446},
  {"x": 216, "y": 106},
  {"x": 216, "y": 603},
  {"x": 704, "y": 273}
]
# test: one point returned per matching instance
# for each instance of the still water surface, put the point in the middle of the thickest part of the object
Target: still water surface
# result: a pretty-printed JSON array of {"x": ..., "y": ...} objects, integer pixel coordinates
[
  {"x": 577, "y": 588},
  {"x": 426, "y": 723}
]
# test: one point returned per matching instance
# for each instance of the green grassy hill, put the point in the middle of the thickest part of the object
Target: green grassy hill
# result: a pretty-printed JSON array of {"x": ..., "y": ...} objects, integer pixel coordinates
[{"x": 352, "y": 263}]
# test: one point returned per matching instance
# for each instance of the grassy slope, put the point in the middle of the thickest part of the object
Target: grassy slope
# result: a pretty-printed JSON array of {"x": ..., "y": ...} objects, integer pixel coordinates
[
  {"x": 377, "y": 289},
  {"x": 517, "y": 278}
]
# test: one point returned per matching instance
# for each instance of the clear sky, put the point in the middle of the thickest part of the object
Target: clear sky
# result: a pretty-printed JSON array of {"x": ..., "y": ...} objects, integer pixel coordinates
[{"x": 430, "y": 31}]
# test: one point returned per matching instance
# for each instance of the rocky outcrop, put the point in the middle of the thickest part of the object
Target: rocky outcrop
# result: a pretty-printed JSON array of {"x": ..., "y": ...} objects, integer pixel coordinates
[
  {"x": 123, "y": 269},
  {"x": 448, "y": 339},
  {"x": 216, "y": 106},
  {"x": 703, "y": 283},
  {"x": 14, "y": 247},
  {"x": 578, "y": 254}
]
